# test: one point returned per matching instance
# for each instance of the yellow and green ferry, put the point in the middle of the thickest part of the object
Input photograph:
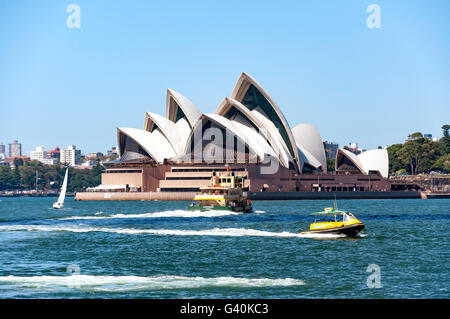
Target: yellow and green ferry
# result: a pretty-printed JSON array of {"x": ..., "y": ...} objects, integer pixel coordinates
[{"x": 223, "y": 193}]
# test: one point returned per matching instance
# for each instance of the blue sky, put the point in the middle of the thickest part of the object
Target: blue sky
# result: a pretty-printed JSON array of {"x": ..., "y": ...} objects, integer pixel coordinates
[{"x": 317, "y": 59}]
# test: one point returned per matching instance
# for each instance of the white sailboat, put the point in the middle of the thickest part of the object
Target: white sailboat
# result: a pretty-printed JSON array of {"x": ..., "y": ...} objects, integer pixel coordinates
[{"x": 62, "y": 195}]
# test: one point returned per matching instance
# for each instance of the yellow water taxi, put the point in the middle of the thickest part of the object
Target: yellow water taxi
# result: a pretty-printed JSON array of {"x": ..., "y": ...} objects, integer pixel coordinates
[
  {"x": 223, "y": 193},
  {"x": 331, "y": 221}
]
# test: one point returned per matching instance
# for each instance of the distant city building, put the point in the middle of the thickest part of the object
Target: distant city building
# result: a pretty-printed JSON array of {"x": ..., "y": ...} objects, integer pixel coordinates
[
  {"x": 71, "y": 156},
  {"x": 89, "y": 163},
  {"x": 331, "y": 149},
  {"x": 94, "y": 155},
  {"x": 38, "y": 154},
  {"x": 2, "y": 150},
  {"x": 113, "y": 151},
  {"x": 411, "y": 138},
  {"x": 14, "y": 149},
  {"x": 10, "y": 160},
  {"x": 427, "y": 136},
  {"x": 49, "y": 161},
  {"x": 353, "y": 147},
  {"x": 2, "y": 154},
  {"x": 54, "y": 154}
]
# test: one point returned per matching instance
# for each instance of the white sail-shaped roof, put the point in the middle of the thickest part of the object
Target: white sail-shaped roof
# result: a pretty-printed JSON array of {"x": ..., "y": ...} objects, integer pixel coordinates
[
  {"x": 244, "y": 115},
  {"x": 308, "y": 138},
  {"x": 375, "y": 160},
  {"x": 255, "y": 98},
  {"x": 177, "y": 137},
  {"x": 307, "y": 158},
  {"x": 137, "y": 141},
  {"x": 372, "y": 160},
  {"x": 236, "y": 111},
  {"x": 179, "y": 106},
  {"x": 255, "y": 142},
  {"x": 250, "y": 115}
]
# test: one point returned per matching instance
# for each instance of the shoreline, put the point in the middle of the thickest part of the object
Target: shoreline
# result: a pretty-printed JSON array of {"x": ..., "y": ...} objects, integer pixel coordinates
[{"x": 187, "y": 196}]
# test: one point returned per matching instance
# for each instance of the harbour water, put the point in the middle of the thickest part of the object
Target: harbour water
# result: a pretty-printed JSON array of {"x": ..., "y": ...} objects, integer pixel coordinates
[{"x": 156, "y": 249}]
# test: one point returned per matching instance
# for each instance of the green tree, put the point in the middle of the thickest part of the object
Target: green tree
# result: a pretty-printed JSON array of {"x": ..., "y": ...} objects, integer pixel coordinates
[
  {"x": 415, "y": 136},
  {"x": 5, "y": 178},
  {"x": 50, "y": 176},
  {"x": 409, "y": 154},
  {"x": 28, "y": 177},
  {"x": 430, "y": 152},
  {"x": 419, "y": 153},
  {"x": 445, "y": 129},
  {"x": 18, "y": 162},
  {"x": 331, "y": 165},
  {"x": 442, "y": 163},
  {"x": 16, "y": 179},
  {"x": 53, "y": 178},
  {"x": 395, "y": 164},
  {"x": 445, "y": 140}
]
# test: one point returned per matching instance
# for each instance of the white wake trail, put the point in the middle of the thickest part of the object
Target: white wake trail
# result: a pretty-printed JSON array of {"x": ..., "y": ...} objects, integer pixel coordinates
[
  {"x": 172, "y": 213},
  {"x": 128, "y": 283},
  {"x": 231, "y": 232}
]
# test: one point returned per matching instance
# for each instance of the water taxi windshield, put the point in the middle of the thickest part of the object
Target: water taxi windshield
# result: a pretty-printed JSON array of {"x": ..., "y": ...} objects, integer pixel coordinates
[{"x": 332, "y": 216}]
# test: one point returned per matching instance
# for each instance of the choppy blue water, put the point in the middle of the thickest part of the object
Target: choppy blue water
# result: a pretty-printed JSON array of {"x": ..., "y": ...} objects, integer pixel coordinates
[{"x": 156, "y": 249}]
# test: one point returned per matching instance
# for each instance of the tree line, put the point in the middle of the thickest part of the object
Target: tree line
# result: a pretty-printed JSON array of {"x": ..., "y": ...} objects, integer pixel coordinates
[
  {"x": 420, "y": 155},
  {"x": 49, "y": 177}
]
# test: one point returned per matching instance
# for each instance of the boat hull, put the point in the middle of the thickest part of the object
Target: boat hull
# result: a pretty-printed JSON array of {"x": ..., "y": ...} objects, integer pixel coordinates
[
  {"x": 246, "y": 209},
  {"x": 348, "y": 230}
]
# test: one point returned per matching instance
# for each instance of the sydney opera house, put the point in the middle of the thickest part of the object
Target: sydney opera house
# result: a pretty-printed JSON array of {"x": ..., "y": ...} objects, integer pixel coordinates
[{"x": 248, "y": 134}]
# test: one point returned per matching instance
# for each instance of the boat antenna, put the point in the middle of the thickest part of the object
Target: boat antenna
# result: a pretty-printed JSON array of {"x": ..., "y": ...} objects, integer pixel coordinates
[{"x": 335, "y": 205}]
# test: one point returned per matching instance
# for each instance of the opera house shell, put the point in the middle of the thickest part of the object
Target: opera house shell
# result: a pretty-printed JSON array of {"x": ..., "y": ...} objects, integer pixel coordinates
[
  {"x": 247, "y": 131},
  {"x": 250, "y": 115},
  {"x": 373, "y": 160}
]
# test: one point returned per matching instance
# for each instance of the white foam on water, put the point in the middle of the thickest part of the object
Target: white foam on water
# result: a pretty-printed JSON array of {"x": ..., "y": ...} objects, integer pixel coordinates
[
  {"x": 362, "y": 235},
  {"x": 127, "y": 283},
  {"x": 231, "y": 232},
  {"x": 170, "y": 213},
  {"x": 324, "y": 236}
]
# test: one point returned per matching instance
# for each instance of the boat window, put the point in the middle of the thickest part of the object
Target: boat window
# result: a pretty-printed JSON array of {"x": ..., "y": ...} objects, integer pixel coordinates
[{"x": 346, "y": 218}]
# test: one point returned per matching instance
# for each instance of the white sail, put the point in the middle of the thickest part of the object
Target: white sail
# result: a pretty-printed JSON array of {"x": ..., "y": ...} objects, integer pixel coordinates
[{"x": 62, "y": 195}]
